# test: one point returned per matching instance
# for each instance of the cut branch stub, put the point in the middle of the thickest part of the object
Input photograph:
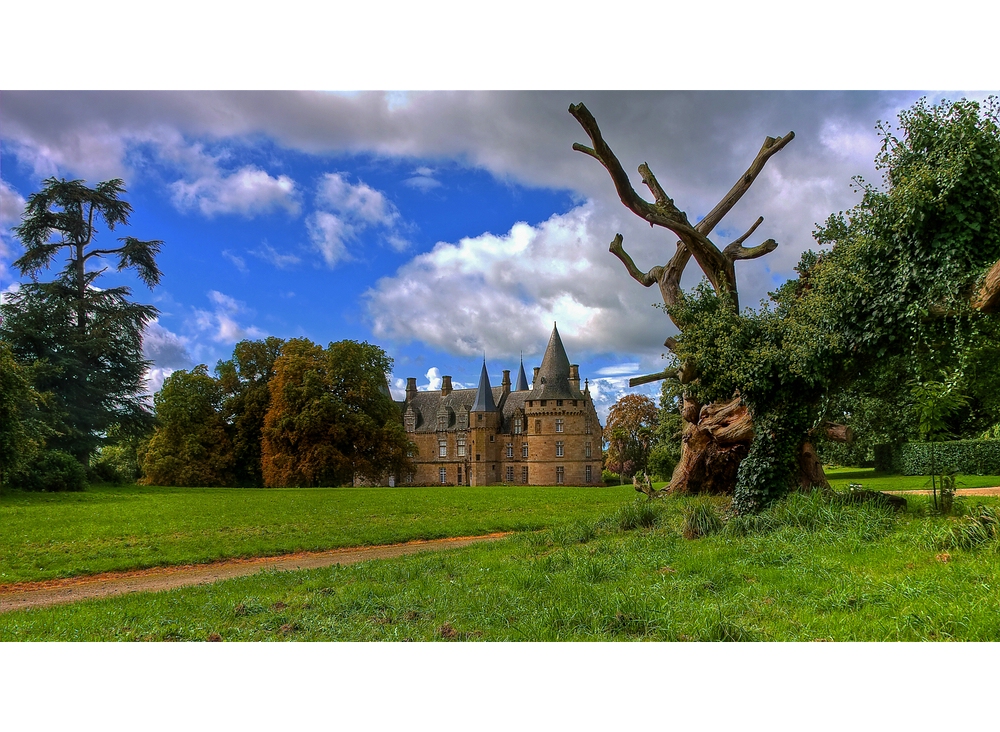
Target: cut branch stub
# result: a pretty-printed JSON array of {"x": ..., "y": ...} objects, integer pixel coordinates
[{"x": 988, "y": 298}]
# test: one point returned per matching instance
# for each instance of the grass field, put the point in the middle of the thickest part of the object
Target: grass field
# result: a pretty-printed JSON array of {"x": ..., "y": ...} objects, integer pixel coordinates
[
  {"x": 841, "y": 477},
  {"x": 804, "y": 570},
  {"x": 51, "y": 535}
]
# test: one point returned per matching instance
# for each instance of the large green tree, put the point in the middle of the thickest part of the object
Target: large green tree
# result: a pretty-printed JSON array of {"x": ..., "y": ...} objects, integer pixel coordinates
[
  {"x": 909, "y": 272},
  {"x": 191, "y": 445},
  {"x": 629, "y": 433},
  {"x": 244, "y": 381},
  {"x": 331, "y": 418},
  {"x": 20, "y": 435},
  {"x": 86, "y": 340}
]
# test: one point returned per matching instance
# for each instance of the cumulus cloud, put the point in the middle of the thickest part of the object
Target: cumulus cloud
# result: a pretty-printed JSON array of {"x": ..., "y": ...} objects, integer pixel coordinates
[
  {"x": 346, "y": 211},
  {"x": 220, "y": 324},
  {"x": 168, "y": 352},
  {"x": 502, "y": 293},
  {"x": 11, "y": 207},
  {"x": 248, "y": 191}
]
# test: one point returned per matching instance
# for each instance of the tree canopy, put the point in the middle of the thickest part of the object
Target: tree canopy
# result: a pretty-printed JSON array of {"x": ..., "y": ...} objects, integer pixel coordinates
[
  {"x": 331, "y": 418},
  {"x": 632, "y": 422},
  {"x": 904, "y": 275},
  {"x": 85, "y": 340}
]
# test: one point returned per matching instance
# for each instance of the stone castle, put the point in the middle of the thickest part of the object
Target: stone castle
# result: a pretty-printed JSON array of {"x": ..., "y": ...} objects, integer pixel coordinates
[{"x": 548, "y": 434}]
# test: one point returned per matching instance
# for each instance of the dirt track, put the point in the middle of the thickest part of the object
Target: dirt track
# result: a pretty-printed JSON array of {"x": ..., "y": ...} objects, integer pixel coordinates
[{"x": 21, "y": 595}]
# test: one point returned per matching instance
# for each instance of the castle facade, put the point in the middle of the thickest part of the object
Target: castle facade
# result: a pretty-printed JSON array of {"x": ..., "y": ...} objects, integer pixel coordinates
[{"x": 548, "y": 434}]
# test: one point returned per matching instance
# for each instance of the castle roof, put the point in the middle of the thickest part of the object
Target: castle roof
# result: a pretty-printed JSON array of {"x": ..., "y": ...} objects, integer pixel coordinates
[
  {"x": 553, "y": 374},
  {"x": 522, "y": 380},
  {"x": 484, "y": 394}
]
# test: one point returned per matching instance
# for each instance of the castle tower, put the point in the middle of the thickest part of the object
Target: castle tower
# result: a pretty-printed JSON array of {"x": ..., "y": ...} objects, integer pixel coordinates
[{"x": 484, "y": 425}]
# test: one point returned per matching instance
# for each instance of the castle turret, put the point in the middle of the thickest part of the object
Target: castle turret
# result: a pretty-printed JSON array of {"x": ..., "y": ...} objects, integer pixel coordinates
[
  {"x": 484, "y": 425},
  {"x": 553, "y": 377},
  {"x": 522, "y": 380}
]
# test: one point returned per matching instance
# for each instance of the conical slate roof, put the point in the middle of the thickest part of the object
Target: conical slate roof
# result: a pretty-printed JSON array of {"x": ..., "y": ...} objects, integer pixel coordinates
[
  {"x": 484, "y": 394},
  {"x": 553, "y": 375},
  {"x": 522, "y": 380}
]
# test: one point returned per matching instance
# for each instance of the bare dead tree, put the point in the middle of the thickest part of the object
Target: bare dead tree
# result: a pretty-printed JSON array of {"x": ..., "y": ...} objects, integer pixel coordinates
[{"x": 716, "y": 437}]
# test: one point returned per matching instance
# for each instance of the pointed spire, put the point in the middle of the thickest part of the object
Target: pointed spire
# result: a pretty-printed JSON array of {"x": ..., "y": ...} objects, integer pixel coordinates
[
  {"x": 553, "y": 375},
  {"x": 484, "y": 394},
  {"x": 522, "y": 380}
]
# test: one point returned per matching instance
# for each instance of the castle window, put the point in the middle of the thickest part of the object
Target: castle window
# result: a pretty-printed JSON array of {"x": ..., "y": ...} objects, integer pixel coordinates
[
  {"x": 559, "y": 425},
  {"x": 409, "y": 477},
  {"x": 517, "y": 425},
  {"x": 510, "y": 473},
  {"x": 524, "y": 451},
  {"x": 558, "y": 402},
  {"x": 410, "y": 422},
  {"x": 590, "y": 476},
  {"x": 443, "y": 475},
  {"x": 574, "y": 402},
  {"x": 461, "y": 448},
  {"x": 478, "y": 457},
  {"x": 463, "y": 421},
  {"x": 560, "y": 476},
  {"x": 543, "y": 402},
  {"x": 538, "y": 426},
  {"x": 559, "y": 449},
  {"x": 491, "y": 437},
  {"x": 479, "y": 418},
  {"x": 442, "y": 422},
  {"x": 460, "y": 474},
  {"x": 510, "y": 451},
  {"x": 409, "y": 450},
  {"x": 524, "y": 475},
  {"x": 529, "y": 402},
  {"x": 588, "y": 427},
  {"x": 586, "y": 450},
  {"x": 442, "y": 448}
]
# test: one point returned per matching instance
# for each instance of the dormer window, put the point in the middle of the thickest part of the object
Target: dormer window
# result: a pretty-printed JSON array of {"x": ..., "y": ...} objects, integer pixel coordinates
[
  {"x": 410, "y": 422},
  {"x": 442, "y": 422},
  {"x": 517, "y": 425}
]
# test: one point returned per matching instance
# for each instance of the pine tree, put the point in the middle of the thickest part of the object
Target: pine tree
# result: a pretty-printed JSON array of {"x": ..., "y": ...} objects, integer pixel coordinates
[{"x": 85, "y": 342}]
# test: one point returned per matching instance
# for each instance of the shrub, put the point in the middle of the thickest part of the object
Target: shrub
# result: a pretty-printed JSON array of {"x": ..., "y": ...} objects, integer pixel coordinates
[
  {"x": 970, "y": 457},
  {"x": 661, "y": 462},
  {"x": 51, "y": 470},
  {"x": 610, "y": 478}
]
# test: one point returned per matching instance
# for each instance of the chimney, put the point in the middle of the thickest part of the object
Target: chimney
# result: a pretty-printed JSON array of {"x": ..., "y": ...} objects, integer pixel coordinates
[
  {"x": 505, "y": 383},
  {"x": 411, "y": 388},
  {"x": 445, "y": 385},
  {"x": 574, "y": 376},
  {"x": 534, "y": 377}
]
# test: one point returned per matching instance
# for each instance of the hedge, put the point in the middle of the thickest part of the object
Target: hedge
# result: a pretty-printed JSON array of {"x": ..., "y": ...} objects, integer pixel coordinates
[{"x": 968, "y": 457}]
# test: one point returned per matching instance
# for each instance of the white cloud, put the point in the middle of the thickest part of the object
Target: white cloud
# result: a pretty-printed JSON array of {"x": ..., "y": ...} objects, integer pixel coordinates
[
  {"x": 272, "y": 256},
  {"x": 347, "y": 210},
  {"x": 237, "y": 261},
  {"x": 502, "y": 293},
  {"x": 167, "y": 350},
  {"x": 433, "y": 377},
  {"x": 11, "y": 204},
  {"x": 356, "y": 202},
  {"x": 249, "y": 192},
  {"x": 220, "y": 324},
  {"x": 329, "y": 234},
  {"x": 621, "y": 369}
]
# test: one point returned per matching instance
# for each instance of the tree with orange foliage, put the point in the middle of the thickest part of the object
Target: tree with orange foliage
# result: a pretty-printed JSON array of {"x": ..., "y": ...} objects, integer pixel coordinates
[
  {"x": 629, "y": 433},
  {"x": 331, "y": 418}
]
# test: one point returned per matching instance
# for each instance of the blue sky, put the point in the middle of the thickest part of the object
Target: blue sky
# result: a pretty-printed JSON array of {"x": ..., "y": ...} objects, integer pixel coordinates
[{"x": 438, "y": 225}]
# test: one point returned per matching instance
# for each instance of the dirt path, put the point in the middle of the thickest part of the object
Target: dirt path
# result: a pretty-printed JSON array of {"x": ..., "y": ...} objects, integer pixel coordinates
[{"x": 21, "y": 595}]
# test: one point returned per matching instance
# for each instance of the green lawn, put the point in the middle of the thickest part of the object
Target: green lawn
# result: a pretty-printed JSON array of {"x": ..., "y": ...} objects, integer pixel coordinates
[
  {"x": 45, "y": 536},
  {"x": 841, "y": 477},
  {"x": 805, "y": 570}
]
